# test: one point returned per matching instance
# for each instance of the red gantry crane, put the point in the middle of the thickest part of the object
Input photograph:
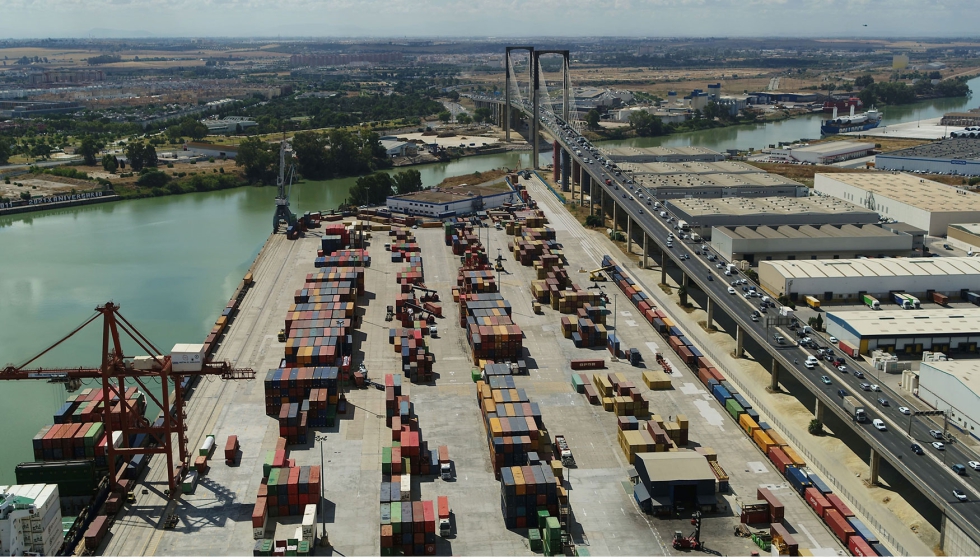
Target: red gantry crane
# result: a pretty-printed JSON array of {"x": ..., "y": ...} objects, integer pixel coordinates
[{"x": 114, "y": 373}]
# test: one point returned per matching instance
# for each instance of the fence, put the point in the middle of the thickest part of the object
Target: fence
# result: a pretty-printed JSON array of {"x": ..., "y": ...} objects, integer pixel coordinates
[{"x": 560, "y": 196}]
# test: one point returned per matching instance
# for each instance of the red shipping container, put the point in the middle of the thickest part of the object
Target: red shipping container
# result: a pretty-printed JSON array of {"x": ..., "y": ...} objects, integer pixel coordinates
[
  {"x": 779, "y": 458},
  {"x": 839, "y": 505},
  {"x": 717, "y": 374},
  {"x": 860, "y": 547},
  {"x": 588, "y": 364},
  {"x": 430, "y": 516},
  {"x": 839, "y": 525},
  {"x": 791, "y": 544},
  {"x": 259, "y": 513},
  {"x": 817, "y": 501},
  {"x": 96, "y": 532},
  {"x": 231, "y": 448},
  {"x": 443, "y": 502},
  {"x": 704, "y": 362},
  {"x": 776, "y": 508}
]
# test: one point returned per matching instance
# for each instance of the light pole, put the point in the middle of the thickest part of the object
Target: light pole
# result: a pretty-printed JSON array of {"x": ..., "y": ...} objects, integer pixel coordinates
[{"x": 323, "y": 520}]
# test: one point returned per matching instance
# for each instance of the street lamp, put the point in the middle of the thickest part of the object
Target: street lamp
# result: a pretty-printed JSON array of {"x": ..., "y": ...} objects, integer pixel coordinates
[{"x": 323, "y": 520}]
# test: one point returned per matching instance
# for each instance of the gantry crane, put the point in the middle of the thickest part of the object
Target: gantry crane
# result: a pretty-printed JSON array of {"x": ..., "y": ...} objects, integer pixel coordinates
[{"x": 113, "y": 372}]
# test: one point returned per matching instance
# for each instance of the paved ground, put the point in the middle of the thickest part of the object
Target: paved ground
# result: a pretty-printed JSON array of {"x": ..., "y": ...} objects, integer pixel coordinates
[{"x": 925, "y": 129}]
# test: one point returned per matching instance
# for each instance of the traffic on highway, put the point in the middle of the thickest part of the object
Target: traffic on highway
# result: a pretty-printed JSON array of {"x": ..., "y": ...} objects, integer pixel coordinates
[{"x": 891, "y": 421}]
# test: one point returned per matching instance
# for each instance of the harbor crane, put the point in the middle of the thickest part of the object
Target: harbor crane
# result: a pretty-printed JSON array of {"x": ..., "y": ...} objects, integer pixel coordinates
[
  {"x": 283, "y": 213},
  {"x": 116, "y": 368}
]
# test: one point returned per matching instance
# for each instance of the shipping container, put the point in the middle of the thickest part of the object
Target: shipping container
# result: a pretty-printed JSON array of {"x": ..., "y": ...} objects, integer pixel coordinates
[
  {"x": 839, "y": 525},
  {"x": 797, "y": 479},
  {"x": 939, "y": 298},
  {"x": 860, "y": 547},
  {"x": 819, "y": 484},
  {"x": 817, "y": 501},
  {"x": 880, "y": 549},
  {"x": 862, "y": 530},
  {"x": 779, "y": 459},
  {"x": 776, "y": 509},
  {"x": 839, "y": 505}
]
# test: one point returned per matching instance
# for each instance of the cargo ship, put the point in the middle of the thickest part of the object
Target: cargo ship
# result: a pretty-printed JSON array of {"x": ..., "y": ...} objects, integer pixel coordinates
[
  {"x": 842, "y": 104},
  {"x": 851, "y": 123}
]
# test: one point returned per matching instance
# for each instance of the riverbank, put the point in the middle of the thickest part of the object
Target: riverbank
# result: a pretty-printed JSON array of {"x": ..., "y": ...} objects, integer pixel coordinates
[
  {"x": 623, "y": 131},
  {"x": 76, "y": 200}
]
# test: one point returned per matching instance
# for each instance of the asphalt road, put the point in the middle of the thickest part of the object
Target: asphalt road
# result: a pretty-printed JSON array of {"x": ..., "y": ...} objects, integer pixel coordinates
[{"x": 930, "y": 471}]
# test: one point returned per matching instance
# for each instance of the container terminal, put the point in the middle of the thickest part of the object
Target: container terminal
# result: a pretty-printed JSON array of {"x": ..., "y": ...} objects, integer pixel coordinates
[{"x": 489, "y": 385}]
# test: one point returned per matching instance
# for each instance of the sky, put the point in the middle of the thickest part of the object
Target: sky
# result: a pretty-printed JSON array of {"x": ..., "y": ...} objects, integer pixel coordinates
[{"x": 488, "y": 18}]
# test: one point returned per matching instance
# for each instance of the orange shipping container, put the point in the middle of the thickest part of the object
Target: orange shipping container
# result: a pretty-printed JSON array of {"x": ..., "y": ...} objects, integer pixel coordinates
[{"x": 763, "y": 440}]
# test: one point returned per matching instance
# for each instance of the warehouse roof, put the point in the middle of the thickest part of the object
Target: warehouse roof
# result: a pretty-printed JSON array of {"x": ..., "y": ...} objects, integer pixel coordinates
[
  {"x": 968, "y": 228},
  {"x": 743, "y": 206},
  {"x": 825, "y": 149},
  {"x": 805, "y": 232},
  {"x": 858, "y": 268},
  {"x": 908, "y": 323},
  {"x": 690, "y": 167},
  {"x": 660, "y": 151},
  {"x": 951, "y": 148},
  {"x": 453, "y": 194},
  {"x": 667, "y": 467},
  {"x": 967, "y": 371},
  {"x": 924, "y": 194},
  {"x": 715, "y": 180}
]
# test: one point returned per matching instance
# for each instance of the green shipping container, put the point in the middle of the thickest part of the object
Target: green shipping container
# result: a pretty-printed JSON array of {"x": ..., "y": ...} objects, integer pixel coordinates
[
  {"x": 74, "y": 478},
  {"x": 734, "y": 409},
  {"x": 267, "y": 464},
  {"x": 534, "y": 539},
  {"x": 396, "y": 520},
  {"x": 303, "y": 548},
  {"x": 94, "y": 434},
  {"x": 542, "y": 518},
  {"x": 577, "y": 383},
  {"x": 385, "y": 460}
]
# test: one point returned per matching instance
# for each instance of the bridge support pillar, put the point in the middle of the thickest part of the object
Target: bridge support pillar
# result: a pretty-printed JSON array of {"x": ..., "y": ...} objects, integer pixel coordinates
[
  {"x": 615, "y": 216},
  {"x": 739, "y": 342},
  {"x": 710, "y": 309},
  {"x": 875, "y": 464},
  {"x": 566, "y": 170},
  {"x": 663, "y": 267},
  {"x": 585, "y": 183},
  {"x": 576, "y": 169},
  {"x": 774, "y": 377},
  {"x": 685, "y": 280},
  {"x": 629, "y": 236},
  {"x": 556, "y": 161},
  {"x": 646, "y": 239},
  {"x": 818, "y": 410}
]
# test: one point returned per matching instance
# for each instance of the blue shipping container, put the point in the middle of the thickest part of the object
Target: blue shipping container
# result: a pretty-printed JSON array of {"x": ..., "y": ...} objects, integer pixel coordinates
[
  {"x": 753, "y": 415},
  {"x": 862, "y": 530},
  {"x": 721, "y": 394},
  {"x": 741, "y": 400},
  {"x": 820, "y": 485},
  {"x": 880, "y": 549},
  {"x": 798, "y": 479}
]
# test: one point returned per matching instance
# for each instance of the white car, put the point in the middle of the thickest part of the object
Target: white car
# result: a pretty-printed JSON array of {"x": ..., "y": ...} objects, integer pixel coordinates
[
  {"x": 875, "y": 388},
  {"x": 975, "y": 465},
  {"x": 833, "y": 340},
  {"x": 731, "y": 290},
  {"x": 842, "y": 368},
  {"x": 904, "y": 410},
  {"x": 938, "y": 445}
]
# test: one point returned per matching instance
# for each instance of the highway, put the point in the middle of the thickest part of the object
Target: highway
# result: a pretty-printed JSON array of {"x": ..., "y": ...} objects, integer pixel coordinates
[{"x": 930, "y": 472}]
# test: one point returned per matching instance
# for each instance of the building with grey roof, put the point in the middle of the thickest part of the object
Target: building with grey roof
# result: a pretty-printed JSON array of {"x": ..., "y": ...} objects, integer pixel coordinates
[
  {"x": 704, "y": 213},
  {"x": 953, "y": 386},
  {"x": 669, "y": 480},
  {"x": 824, "y": 153},
  {"x": 850, "y": 278},
  {"x": 764, "y": 243},
  {"x": 709, "y": 179},
  {"x": 662, "y": 153},
  {"x": 958, "y": 156}
]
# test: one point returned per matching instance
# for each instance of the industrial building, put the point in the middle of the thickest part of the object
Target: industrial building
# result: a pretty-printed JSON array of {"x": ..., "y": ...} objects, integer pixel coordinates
[
  {"x": 399, "y": 148},
  {"x": 968, "y": 118},
  {"x": 27, "y": 109},
  {"x": 922, "y": 203},
  {"x": 668, "y": 480},
  {"x": 709, "y": 180},
  {"x": 910, "y": 331},
  {"x": 964, "y": 236},
  {"x": 704, "y": 214},
  {"x": 850, "y": 278},
  {"x": 662, "y": 153},
  {"x": 455, "y": 201},
  {"x": 957, "y": 156},
  {"x": 823, "y": 154},
  {"x": 763, "y": 243},
  {"x": 953, "y": 386},
  {"x": 229, "y": 125}
]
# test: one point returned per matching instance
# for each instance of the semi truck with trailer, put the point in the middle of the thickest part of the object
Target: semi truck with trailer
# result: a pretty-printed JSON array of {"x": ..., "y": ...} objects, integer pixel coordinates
[
  {"x": 854, "y": 407},
  {"x": 871, "y": 301}
]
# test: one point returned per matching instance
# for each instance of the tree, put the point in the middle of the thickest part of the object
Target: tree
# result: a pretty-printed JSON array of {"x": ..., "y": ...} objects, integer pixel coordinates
[
  {"x": 863, "y": 81},
  {"x": 645, "y": 124},
  {"x": 682, "y": 294},
  {"x": 153, "y": 178},
  {"x": 90, "y": 148},
  {"x": 592, "y": 119},
  {"x": 935, "y": 75},
  {"x": 5, "y": 149},
  {"x": 444, "y": 116},
  {"x": 134, "y": 153},
  {"x": 453, "y": 95},
  {"x": 371, "y": 189},
  {"x": 482, "y": 114},
  {"x": 109, "y": 163},
  {"x": 408, "y": 181},
  {"x": 255, "y": 157},
  {"x": 41, "y": 150},
  {"x": 815, "y": 427},
  {"x": 311, "y": 155},
  {"x": 464, "y": 118},
  {"x": 593, "y": 221}
]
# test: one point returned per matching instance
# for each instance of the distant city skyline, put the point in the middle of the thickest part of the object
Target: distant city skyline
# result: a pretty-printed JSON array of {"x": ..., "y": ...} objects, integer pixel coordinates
[{"x": 23, "y": 19}]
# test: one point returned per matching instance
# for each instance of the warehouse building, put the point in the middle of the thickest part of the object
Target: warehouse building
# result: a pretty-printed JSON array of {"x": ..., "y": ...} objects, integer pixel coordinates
[
  {"x": 829, "y": 280},
  {"x": 704, "y": 214},
  {"x": 919, "y": 202},
  {"x": 662, "y": 153},
  {"x": 964, "y": 236},
  {"x": 766, "y": 243},
  {"x": 719, "y": 185},
  {"x": 455, "y": 201},
  {"x": 957, "y": 156},
  {"x": 910, "y": 331},
  {"x": 825, "y": 153},
  {"x": 953, "y": 386},
  {"x": 669, "y": 480}
]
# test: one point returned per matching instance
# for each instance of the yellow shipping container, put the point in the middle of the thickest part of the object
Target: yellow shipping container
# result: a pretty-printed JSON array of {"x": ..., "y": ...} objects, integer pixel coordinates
[
  {"x": 776, "y": 438},
  {"x": 682, "y": 421},
  {"x": 607, "y": 404},
  {"x": 748, "y": 424},
  {"x": 602, "y": 385},
  {"x": 495, "y": 428},
  {"x": 656, "y": 380},
  {"x": 762, "y": 439},
  {"x": 794, "y": 457}
]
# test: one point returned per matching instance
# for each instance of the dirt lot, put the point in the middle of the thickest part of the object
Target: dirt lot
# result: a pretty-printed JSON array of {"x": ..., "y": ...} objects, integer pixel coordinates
[
  {"x": 805, "y": 173},
  {"x": 76, "y": 57},
  {"x": 43, "y": 185}
]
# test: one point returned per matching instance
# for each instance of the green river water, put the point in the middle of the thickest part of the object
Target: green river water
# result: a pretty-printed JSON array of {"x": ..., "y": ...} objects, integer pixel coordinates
[{"x": 172, "y": 262}]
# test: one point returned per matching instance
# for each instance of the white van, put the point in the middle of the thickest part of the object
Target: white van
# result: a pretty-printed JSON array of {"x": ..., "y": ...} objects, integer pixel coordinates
[
  {"x": 810, "y": 362},
  {"x": 879, "y": 424},
  {"x": 663, "y": 214}
]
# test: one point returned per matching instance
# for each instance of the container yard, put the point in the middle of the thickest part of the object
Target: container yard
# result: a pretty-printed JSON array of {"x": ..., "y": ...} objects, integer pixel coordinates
[{"x": 360, "y": 344}]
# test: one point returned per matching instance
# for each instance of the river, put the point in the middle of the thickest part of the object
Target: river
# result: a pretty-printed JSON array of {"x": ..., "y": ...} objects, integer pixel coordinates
[{"x": 172, "y": 262}]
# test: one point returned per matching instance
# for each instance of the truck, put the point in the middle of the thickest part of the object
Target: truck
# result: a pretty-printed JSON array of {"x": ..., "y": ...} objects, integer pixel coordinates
[
  {"x": 731, "y": 269},
  {"x": 812, "y": 302},
  {"x": 901, "y": 301},
  {"x": 941, "y": 299},
  {"x": 683, "y": 226},
  {"x": 973, "y": 298},
  {"x": 871, "y": 301},
  {"x": 445, "y": 467},
  {"x": 853, "y": 406},
  {"x": 563, "y": 451},
  {"x": 913, "y": 301},
  {"x": 695, "y": 238},
  {"x": 445, "y": 527},
  {"x": 785, "y": 311}
]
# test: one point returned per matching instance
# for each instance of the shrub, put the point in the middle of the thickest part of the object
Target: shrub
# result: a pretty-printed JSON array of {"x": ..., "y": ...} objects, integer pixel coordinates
[{"x": 153, "y": 179}]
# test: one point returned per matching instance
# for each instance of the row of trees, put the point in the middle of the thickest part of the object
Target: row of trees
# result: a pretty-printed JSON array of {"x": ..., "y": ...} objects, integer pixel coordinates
[
  {"x": 338, "y": 153},
  {"x": 377, "y": 187},
  {"x": 340, "y": 111},
  {"x": 898, "y": 93}
]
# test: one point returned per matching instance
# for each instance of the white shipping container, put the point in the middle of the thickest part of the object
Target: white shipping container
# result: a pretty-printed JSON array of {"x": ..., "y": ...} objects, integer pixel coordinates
[
  {"x": 406, "y": 489},
  {"x": 309, "y": 515},
  {"x": 298, "y": 535},
  {"x": 187, "y": 357}
]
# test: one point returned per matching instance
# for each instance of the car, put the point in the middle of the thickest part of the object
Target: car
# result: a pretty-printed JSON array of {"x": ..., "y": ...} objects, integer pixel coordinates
[
  {"x": 938, "y": 445},
  {"x": 917, "y": 449},
  {"x": 687, "y": 256},
  {"x": 960, "y": 495},
  {"x": 670, "y": 245},
  {"x": 904, "y": 410},
  {"x": 825, "y": 379},
  {"x": 842, "y": 368},
  {"x": 745, "y": 289},
  {"x": 882, "y": 401},
  {"x": 936, "y": 434},
  {"x": 975, "y": 465},
  {"x": 947, "y": 247},
  {"x": 833, "y": 340},
  {"x": 763, "y": 310},
  {"x": 829, "y": 358},
  {"x": 875, "y": 388},
  {"x": 859, "y": 375},
  {"x": 710, "y": 277},
  {"x": 865, "y": 387},
  {"x": 731, "y": 290},
  {"x": 755, "y": 318},
  {"x": 841, "y": 393}
]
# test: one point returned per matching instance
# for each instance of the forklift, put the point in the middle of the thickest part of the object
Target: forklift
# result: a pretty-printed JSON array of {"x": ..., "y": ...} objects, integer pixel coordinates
[
  {"x": 597, "y": 274},
  {"x": 427, "y": 294},
  {"x": 693, "y": 541}
]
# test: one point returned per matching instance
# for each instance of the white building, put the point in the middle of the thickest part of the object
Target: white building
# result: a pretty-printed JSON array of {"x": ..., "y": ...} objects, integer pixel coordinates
[
  {"x": 909, "y": 331},
  {"x": 847, "y": 278},
  {"x": 823, "y": 154},
  {"x": 925, "y": 204},
  {"x": 761, "y": 243},
  {"x": 955, "y": 156},
  {"x": 398, "y": 148},
  {"x": 953, "y": 386},
  {"x": 456, "y": 201},
  {"x": 30, "y": 520}
]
